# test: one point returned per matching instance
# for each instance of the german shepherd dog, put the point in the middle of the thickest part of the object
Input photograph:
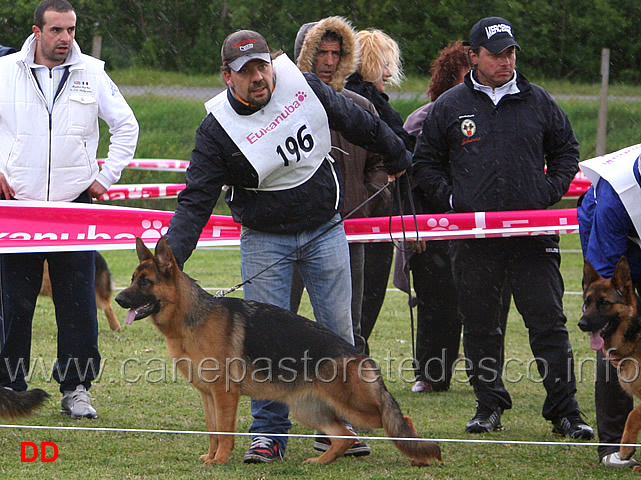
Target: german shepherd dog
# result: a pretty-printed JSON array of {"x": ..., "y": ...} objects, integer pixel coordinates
[
  {"x": 611, "y": 316},
  {"x": 227, "y": 347},
  {"x": 104, "y": 290},
  {"x": 20, "y": 404}
]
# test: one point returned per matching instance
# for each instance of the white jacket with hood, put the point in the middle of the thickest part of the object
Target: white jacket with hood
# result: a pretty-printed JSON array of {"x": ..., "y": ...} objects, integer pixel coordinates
[{"x": 52, "y": 157}]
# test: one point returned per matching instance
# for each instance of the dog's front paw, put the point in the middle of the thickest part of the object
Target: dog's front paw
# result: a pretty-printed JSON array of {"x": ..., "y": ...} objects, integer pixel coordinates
[
  {"x": 207, "y": 459},
  {"x": 311, "y": 460}
]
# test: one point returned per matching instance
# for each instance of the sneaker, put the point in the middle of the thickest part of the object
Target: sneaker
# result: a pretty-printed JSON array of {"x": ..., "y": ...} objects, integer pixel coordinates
[
  {"x": 614, "y": 460},
  {"x": 262, "y": 450},
  {"x": 422, "y": 386},
  {"x": 77, "y": 403},
  {"x": 572, "y": 426},
  {"x": 359, "y": 449},
  {"x": 486, "y": 420}
]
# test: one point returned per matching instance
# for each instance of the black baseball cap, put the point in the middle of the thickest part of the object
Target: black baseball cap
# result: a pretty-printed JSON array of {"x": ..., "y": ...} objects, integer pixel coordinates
[
  {"x": 242, "y": 46},
  {"x": 494, "y": 34}
]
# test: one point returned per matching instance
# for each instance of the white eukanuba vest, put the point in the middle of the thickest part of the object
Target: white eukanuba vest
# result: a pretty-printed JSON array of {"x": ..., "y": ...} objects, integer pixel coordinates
[
  {"x": 285, "y": 141},
  {"x": 618, "y": 169}
]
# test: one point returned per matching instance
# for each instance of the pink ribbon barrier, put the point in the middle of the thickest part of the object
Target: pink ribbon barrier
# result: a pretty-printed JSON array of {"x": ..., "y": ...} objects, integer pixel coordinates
[
  {"x": 61, "y": 226},
  {"x": 157, "y": 164},
  {"x": 579, "y": 184},
  {"x": 133, "y": 192}
]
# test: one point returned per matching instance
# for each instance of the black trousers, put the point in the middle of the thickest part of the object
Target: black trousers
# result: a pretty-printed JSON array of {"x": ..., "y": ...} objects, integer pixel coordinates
[
  {"x": 612, "y": 403},
  {"x": 73, "y": 290},
  {"x": 378, "y": 263},
  {"x": 438, "y": 328},
  {"x": 530, "y": 265}
]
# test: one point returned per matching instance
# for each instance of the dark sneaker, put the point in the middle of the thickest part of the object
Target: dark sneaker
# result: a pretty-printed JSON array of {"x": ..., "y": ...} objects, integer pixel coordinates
[
  {"x": 422, "y": 386},
  {"x": 572, "y": 426},
  {"x": 486, "y": 420},
  {"x": 359, "y": 449},
  {"x": 262, "y": 450}
]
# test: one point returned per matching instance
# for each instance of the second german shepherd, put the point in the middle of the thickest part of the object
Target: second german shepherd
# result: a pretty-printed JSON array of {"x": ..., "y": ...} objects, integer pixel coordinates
[
  {"x": 104, "y": 289},
  {"x": 227, "y": 347},
  {"x": 611, "y": 315}
]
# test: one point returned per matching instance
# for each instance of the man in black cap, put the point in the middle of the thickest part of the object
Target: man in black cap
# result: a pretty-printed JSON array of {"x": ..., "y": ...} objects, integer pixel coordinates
[
  {"x": 484, "y": 147},
  {"x": 268, "y": 139}
]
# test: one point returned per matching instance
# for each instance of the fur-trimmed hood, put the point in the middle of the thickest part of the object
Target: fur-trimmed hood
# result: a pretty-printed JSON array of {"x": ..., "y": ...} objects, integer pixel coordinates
[{"x": 309, "y": 37}]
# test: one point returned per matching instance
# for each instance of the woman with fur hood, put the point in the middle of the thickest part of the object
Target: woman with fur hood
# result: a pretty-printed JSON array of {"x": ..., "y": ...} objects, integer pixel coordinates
[{"x": 329, "y": 48}]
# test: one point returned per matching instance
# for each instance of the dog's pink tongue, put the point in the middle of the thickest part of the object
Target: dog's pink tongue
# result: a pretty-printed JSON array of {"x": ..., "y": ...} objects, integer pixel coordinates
[
  {"x": 131, "y": 316},
  {"x": 596, "y": 341}
]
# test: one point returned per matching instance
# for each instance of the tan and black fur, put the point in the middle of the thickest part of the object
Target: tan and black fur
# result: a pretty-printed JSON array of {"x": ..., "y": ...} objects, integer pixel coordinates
[
  {"x": 611, "y": 312},
  {"x": 260, "y": 338},
  {"x": 104, "y": 290},
  {"x": 20, "y": 404}
]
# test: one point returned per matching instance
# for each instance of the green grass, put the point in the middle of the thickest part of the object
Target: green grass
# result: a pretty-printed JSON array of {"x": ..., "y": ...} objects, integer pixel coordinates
[{"x": 162, "y": 401}]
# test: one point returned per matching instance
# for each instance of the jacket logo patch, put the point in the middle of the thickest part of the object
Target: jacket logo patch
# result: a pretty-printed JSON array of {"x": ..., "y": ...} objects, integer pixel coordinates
[{"x": 468, "y": 127}]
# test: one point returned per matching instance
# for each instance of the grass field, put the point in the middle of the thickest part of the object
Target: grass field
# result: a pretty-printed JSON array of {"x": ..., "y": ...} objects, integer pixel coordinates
[{"x": 138, "y": 389}]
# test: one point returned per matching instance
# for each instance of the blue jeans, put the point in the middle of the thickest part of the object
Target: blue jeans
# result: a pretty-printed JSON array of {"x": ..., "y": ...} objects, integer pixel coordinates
[{"x": 324, "y": 266}]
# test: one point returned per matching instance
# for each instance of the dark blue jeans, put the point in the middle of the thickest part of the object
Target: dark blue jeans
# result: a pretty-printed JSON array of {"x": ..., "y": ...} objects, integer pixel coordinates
[{"x": 72, "y": 281}]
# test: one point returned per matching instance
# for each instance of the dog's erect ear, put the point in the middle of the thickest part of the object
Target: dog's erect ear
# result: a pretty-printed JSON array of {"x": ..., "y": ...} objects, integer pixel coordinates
[
  {"x": 589, "y": 274},
  {"x": 143, "y": 252},
  {"x": 164, "y": 256},
  {"x": 622, "y": 276}
]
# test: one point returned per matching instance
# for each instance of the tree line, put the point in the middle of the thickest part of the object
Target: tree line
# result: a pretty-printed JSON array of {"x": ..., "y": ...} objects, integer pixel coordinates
[{"x": 560, "y": 39}]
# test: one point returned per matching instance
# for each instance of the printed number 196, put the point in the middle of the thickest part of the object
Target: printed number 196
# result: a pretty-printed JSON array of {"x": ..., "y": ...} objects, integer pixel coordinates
[{"x": 295, "y": 145}]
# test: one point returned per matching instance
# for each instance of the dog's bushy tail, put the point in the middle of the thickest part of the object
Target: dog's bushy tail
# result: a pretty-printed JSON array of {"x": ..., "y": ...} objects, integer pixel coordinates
[
  {"x": 396, "y": 425},
  {"x": 20, "y": 404}
]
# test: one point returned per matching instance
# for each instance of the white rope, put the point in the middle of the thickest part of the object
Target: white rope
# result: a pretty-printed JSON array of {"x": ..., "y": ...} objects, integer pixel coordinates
[{"x": 360, "y": 437}]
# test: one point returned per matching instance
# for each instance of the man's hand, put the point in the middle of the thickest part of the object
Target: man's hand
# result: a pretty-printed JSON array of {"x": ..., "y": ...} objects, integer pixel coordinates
[
  {"x": 393, "y": 176},
  {"x": 96, "y": 190},
  {"x": 5, "y": 189}
]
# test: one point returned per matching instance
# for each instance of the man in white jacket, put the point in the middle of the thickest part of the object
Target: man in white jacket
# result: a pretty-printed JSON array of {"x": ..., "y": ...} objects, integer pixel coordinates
[{"x": 51, "y": 100}]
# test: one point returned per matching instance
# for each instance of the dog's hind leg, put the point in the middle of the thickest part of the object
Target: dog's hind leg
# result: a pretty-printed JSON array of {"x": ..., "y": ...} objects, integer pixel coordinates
[
  {"x": 631, "y": 433},
  {"x": 209, "y": 406},
  {"x": 338, "y": 446},
  {"x": 315, "y": 413}
]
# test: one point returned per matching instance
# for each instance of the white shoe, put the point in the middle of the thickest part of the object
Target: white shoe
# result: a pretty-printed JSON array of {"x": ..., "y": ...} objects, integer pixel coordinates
[
  {"x": 77, "y": 403},
  {"x": 614, "y": 460}
]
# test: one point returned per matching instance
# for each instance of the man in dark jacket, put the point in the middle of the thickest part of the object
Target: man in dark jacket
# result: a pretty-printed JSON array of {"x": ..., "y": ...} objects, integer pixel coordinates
[
  {"x": 268, "y": 139},
  {"x": 484, "y": 147}
]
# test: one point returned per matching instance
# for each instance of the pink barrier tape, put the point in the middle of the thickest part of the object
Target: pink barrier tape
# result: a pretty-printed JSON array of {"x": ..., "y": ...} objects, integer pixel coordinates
[
  {"x": 579, "y": 184},
  {"x": 134, "y": 192},
  {"x": 168, "y": 190},
  {"x": 61, "y": 226},
  {"x": 155, "y": 164}
]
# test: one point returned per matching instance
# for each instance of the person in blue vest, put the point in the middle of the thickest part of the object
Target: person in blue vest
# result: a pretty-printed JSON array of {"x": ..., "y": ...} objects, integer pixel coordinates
[
  {"x": 6, "y": 50},
  {"x": 267, "y": 138},
  {"x": 609, "y": 215}
]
